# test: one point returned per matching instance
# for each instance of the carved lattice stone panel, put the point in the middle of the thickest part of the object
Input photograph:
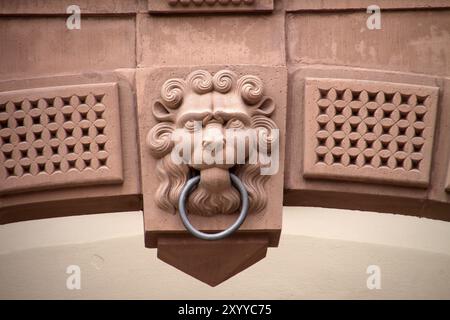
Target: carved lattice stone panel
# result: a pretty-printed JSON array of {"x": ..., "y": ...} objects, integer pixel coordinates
[
  {"x": 369, "y": 131},
  {"x": 59, "y": 137},
  {"x": 172, "y": 6}
]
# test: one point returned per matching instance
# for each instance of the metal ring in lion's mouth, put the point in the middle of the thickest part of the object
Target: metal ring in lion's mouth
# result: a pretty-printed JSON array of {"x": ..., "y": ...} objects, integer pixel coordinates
[{"x": 187, "y": 189}]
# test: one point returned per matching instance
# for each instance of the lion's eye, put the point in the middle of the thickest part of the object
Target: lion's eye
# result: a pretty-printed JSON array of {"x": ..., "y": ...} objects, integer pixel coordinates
[
  {"x": 235, "y": 124},
  {"x": 192, "y": 125}
]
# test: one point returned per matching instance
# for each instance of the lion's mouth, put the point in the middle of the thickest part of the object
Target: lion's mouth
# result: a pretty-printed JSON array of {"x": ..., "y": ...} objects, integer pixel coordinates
[
  {"x": 214, "y": 194},
  {"x": 215, "y": 179}
]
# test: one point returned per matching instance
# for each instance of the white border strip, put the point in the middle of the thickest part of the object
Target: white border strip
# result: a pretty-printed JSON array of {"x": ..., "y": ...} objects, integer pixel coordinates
[{"x": 356, "y": 226}]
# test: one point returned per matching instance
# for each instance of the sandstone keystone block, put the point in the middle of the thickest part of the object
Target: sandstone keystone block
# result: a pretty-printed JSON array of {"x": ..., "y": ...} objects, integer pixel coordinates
[{"x": 160, "y": 222}]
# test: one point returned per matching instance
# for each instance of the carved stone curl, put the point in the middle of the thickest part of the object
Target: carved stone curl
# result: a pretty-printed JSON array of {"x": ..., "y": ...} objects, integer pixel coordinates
[{"x": 212, "y": 103}]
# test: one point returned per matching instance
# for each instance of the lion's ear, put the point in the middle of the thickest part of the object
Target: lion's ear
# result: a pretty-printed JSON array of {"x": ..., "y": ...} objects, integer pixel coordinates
[
  {"x": 265, "y": 107},
  {"x": 162, "y": 113}
]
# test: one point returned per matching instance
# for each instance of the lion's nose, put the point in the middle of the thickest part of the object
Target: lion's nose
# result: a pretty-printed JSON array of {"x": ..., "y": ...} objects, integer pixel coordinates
[
  {"x": 213, "y": 136},
  {"x": 211, "y": 142}
]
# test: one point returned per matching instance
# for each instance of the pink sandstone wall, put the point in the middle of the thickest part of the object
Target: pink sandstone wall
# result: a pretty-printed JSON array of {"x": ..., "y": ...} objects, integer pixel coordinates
[{"x": 383, "y": 145}]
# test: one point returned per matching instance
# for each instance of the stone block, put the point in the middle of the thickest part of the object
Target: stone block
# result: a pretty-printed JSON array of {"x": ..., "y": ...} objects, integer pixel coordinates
[
  {"x": 408, "y": 41},
  {"x": 58, "y": 190},
  {"x": 58, "y": 137},
  {"x": 332, "y": 5},
  {"x": 369, "y": 131},
  {"x": 348, "y": 187},
  {"x": 177, "y": 40},
  {"x": 161, "y": 222},
  {"x": 209, "y": 6},
  {"x": 35, "y": 47}
]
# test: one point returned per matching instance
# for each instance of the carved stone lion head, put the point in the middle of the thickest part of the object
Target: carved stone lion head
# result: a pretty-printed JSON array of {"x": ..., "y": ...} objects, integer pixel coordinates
[{"x": 214, "y": 103}]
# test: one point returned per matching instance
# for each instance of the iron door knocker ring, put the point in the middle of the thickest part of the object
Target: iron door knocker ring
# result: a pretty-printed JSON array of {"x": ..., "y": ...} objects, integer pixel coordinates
[{"x": 192, "y": 182}]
